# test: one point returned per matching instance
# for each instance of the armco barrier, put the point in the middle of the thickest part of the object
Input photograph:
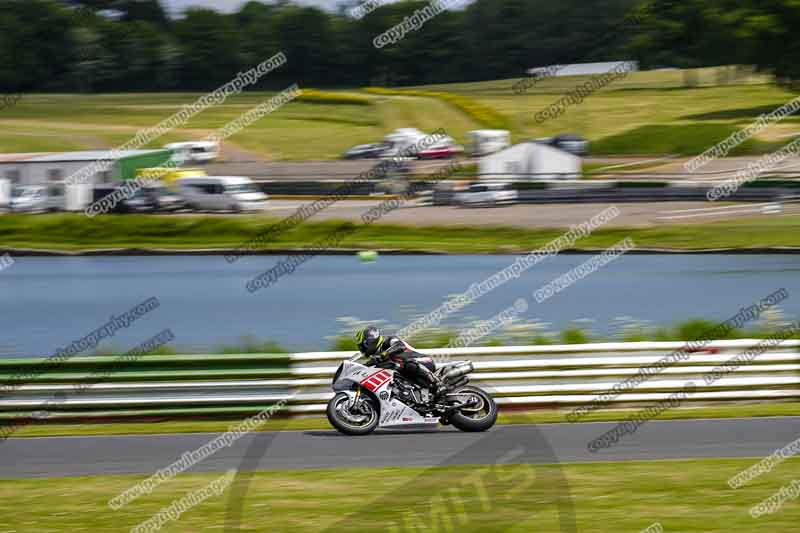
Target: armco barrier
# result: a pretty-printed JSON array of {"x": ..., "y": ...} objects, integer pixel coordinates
[
  {"x": 150, "y": 386},
  {"x": 519, "y": 376}
]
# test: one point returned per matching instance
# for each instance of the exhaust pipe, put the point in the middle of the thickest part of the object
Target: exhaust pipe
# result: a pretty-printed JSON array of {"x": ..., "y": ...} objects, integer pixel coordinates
[
  {"x": 459, "y": 383},
  {"x": 458, "y": 371}
]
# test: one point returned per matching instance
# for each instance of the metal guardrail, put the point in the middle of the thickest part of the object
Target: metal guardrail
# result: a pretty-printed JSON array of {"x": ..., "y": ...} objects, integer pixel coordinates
[
  {"x": 161, "y": 386},
  {"x": 532, "y": 376}
]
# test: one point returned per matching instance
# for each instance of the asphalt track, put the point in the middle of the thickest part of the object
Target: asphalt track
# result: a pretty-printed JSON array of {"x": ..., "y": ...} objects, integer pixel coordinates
[{"x": 548, "y": 443}]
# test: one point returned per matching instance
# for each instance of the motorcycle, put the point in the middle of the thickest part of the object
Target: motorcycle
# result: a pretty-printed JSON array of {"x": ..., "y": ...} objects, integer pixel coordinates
[{"x": 369, "y": 397}]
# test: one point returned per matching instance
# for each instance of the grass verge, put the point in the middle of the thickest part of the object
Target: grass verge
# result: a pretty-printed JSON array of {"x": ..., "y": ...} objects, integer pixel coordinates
[
  {"x": 550, "y": 416},
  {"x": 680, "y": 139},
  {"x": 72, "y": 232},
  {"x": 684, "y": 495}
]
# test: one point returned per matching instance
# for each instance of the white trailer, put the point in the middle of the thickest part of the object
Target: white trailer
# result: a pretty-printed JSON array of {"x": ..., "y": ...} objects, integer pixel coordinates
[
  {"x": 530, "y": 161},
  {"x": 485, "y": 142}
]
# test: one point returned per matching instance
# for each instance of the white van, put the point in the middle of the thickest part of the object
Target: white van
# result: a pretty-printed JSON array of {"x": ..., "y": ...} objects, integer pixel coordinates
[
  {"x": 28, "y": 199},
  {"x": 485, "y": 142},
  {"x": 221, "y": 193},
  {"x": 5, "y": 193},
  {"x": 196, "y": 152},
  {"x": 32, "y": 199}
]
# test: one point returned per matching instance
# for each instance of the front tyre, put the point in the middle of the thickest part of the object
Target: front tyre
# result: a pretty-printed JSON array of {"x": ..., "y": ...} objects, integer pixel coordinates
[
  {"x": 357, "y": 422},
  {"x": 479, "y": 416}
]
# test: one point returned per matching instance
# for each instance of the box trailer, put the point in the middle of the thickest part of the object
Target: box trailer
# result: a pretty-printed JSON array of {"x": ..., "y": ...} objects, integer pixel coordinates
[{"x": 530, "y": 161}]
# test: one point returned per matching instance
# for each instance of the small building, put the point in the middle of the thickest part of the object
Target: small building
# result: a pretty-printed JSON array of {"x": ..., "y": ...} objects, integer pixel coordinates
[
  {"x": 530, "y": 161},
  {"x": 585, "y": 69},
  {"x": 42, "y": 169}
]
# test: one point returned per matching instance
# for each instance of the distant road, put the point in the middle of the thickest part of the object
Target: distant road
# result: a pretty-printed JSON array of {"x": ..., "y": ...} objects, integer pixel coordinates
[
  {"x": 532, "y": 216},
  {"x": 344, "y": 169},
  {"x": 310, "y": 170},
  {"x": 80, "y": 456}
]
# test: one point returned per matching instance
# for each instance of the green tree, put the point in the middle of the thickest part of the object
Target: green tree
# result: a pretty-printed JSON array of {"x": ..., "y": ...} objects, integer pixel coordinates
[
  {"x": 36, "y": 46},
  {"x": 306, "y": 37},
  {"x": 210, "y": 48}
]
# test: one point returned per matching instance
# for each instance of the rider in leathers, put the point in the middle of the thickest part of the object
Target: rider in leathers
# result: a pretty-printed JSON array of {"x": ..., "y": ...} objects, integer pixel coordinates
[{"x": 416, "y": 366}]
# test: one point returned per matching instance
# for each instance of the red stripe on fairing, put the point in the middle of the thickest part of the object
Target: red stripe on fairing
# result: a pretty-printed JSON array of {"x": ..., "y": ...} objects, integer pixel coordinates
[{"x": 376, "y": 380}]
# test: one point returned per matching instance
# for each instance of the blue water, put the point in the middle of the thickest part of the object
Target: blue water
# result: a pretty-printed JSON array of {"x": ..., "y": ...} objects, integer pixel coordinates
[{"x": 49, "y": 302}]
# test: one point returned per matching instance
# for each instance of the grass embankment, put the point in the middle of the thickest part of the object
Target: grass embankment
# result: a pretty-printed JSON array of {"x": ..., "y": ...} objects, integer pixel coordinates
[
  {"x": 545, "y": 416},
  {"x": 647, "y": 112},
  {"x": 480, "y": 113},
  {"x": 72, "y": 232},
  {"x": 685, "y": 495},
  {"x": 644, "y": 113},
  {"x": 318, "y": 125}
]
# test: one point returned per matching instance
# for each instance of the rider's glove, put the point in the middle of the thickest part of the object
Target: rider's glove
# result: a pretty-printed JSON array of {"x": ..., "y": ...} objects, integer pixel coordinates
[{"x": 395, "y": 349}]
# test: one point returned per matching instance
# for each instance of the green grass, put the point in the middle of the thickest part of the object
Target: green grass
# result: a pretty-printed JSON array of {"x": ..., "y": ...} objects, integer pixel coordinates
[
  {"x": 300, "y": 130},
  {"x": 690, "y": 496},
  {"x": 76, "y": 232},
  {"x": 678, "y": 139},
  {"x": 29, "y": 142},
  {"x": 640, "y": 109},
  {"x": 647, "y": 112},
  {"x": 544, "y": 416},
  {"x": 672, "y": 80}
]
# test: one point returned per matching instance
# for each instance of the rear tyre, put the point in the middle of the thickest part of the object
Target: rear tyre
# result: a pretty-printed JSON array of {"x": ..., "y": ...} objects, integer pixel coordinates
[
  {"x": 479, "y": 417},
  {"x": 352, "y": 423}
]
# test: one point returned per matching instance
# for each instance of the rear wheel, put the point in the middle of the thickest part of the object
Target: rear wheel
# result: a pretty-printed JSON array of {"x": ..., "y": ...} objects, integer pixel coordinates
[
  {"x": 359, "y": 421},
  {"x": 480, "y": 415}
]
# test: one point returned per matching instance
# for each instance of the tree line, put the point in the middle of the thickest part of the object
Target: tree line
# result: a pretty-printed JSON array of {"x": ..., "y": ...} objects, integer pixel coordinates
[{"x": 134, "y": 45}]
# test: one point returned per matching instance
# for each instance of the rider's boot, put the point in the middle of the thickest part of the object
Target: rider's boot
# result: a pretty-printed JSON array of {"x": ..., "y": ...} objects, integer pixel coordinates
[{"x": 435, "y": 383}]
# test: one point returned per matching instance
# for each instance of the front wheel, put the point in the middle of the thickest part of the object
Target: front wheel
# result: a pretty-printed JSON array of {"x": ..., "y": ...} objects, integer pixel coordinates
[
  {"x": 480, "y": 415},
  {"x": 356, "y": 421}
]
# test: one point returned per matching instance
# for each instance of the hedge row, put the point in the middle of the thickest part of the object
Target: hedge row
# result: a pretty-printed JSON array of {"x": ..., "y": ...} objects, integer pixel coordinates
[{"x": 315, "y": 96}]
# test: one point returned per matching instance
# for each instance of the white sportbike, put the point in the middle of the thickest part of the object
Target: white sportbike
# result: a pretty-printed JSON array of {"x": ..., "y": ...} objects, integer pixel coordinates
[{"x": 369, "y": 397}]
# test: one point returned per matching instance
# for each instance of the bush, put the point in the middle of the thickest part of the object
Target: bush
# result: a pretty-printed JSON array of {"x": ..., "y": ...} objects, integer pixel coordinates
[
  {"x": 344, "y": 343},
  {"x": 574, "y": 336},
  {"x": 250, "y": 344},
  {"x": 700, "y": 329},
  {"x": 315, "y": 96}
]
